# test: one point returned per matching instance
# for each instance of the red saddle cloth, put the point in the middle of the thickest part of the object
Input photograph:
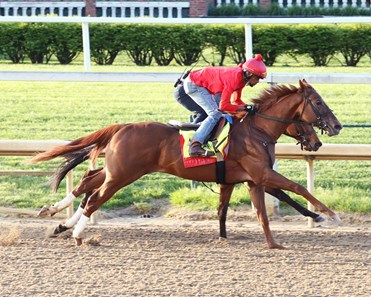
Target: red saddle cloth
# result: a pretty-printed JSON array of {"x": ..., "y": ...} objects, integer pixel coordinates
[
  {"x": 223, "y": 148},
  {"x": 194, "y": 161}
]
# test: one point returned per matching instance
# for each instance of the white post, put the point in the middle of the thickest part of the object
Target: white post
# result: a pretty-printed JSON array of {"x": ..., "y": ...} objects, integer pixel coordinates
[
  {"x": 69, "y": 188},
  {"x": 248, "y": 41},
  {"x": 86, "y": 45},
  {"x": 93, "y": 217},
  {"x": 310, "y": 186},
  {"x": 271, "y": 202}
]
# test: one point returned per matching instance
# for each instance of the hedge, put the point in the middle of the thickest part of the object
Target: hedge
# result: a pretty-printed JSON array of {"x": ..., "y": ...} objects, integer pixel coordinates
[{"x": 183, "y": 44}]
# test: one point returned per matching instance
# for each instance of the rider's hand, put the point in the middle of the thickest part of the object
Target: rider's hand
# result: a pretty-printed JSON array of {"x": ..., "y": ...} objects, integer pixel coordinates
[{"x": 250, "y": 109}]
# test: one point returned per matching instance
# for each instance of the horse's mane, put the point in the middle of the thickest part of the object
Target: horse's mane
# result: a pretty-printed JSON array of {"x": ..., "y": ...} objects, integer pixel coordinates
[{"x": 271, "y": 95}]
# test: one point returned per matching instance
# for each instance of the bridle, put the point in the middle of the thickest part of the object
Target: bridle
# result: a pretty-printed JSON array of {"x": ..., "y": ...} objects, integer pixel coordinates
[
  {"x": 301, "y": 135},
  {"x": 320, "y": 123}
]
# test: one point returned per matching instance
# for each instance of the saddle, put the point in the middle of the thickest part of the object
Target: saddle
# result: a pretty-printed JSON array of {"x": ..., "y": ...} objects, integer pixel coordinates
[{"x": 219, "y": 144}]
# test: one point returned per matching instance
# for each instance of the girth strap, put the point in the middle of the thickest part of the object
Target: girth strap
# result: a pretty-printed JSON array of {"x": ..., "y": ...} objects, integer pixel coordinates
[{"x": 220, "y": 172}]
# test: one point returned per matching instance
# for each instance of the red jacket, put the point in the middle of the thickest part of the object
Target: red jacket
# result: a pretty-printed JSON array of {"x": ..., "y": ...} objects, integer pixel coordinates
[{"x": 225, "y": 80}]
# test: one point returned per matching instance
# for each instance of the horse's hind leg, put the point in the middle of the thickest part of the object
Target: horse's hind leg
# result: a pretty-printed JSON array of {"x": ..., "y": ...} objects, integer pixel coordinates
[
  {"x": 282, "y": 196},
  {"x": 76, "y": 216},
  {"x": 86, "y": 185},
  {"x": 224, "y": 197},
  {"x": 87, "y": 182},
  {"x": 100, "y": 196}
]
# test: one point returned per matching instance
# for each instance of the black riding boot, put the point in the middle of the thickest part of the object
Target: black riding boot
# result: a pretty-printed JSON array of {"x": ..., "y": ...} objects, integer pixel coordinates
[{"x": 196, "y": 150}]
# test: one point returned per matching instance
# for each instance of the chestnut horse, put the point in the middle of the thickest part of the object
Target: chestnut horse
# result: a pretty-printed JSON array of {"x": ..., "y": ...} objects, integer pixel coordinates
[
  {"x": 92, "y": 179},
  {"x": 133, "y": 150}
]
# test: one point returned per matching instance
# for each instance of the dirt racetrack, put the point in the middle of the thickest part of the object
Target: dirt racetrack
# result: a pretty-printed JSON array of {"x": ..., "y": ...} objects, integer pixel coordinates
[{"x": 133, "y": 256}]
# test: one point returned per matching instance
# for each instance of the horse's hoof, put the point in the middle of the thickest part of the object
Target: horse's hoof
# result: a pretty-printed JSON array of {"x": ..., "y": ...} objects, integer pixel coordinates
[
  {"x": 222, "y": 238},
  {"x": 46, "y": 210},
  {"x": 336, "y": 220},
  {"x": 276, "y": 246},
  {"x": 319, "y": 219},
  {"x": 61, "y": 228},
  {"x": 78, "y": 241}
]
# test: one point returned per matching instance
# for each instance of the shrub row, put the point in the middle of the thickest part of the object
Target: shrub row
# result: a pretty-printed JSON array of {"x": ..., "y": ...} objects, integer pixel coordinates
[{"x": 183, "y": 44}]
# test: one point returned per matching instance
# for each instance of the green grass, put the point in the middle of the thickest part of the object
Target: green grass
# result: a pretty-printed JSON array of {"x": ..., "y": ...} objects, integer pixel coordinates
[{"x": 54, "y": 110}]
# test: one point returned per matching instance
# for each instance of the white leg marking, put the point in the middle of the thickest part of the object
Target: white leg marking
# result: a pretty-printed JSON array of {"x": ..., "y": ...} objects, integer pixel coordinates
[
  {"x": 336, "y": 220},
  {"x": 80, "y": 226},
  {"x": 65, "y": 202},
  {"x": 73, "y": 220}
]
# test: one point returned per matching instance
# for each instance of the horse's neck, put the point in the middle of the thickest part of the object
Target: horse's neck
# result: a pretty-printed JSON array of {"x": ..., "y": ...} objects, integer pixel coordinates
[{"x": 284, "y": 109}]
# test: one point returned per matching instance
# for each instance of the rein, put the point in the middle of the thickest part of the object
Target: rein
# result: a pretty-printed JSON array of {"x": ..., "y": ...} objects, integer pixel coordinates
[{"x": 281, "y": 120}]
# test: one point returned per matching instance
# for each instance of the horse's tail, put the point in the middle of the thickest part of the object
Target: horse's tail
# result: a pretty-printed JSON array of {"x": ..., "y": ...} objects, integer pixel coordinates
[
  {"x": 92, "y": 144},
  {"x": 77, "y": 151},
  {"x": 72, "y": 160}
]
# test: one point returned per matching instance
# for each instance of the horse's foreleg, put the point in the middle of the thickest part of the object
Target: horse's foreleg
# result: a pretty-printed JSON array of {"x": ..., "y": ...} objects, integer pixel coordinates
[
  {"x": 282, "y": 196},
  {"x": 276, "y": 180},
  {"x": 257, "y": 197},
  {"x": 224, "y": 197}
]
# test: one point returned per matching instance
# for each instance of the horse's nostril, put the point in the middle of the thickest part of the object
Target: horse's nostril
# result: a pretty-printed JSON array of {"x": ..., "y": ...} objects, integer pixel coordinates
[
  {"x": 338, "y": 127},
  {"x": 318, "y": 145}
]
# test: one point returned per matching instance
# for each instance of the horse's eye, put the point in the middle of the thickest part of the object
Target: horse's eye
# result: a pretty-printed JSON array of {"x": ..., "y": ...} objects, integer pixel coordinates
[{"x": 318, "y": 102}]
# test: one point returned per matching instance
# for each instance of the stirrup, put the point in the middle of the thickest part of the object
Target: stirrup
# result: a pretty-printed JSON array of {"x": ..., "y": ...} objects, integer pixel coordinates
[
  {"x": 196, "y": 150},
  {"x": 205, "y": 154}
]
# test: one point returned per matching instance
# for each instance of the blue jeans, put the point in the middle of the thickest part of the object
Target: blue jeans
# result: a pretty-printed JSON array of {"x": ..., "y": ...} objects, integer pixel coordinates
[
  {"x": 181, "y": 97},
  {"x": 206, "y": 100}
]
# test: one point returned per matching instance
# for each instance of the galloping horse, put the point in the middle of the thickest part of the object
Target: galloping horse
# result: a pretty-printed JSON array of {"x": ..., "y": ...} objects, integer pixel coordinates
[
  {"x": 303, "y": 133},
  {"x": 133, "y": 150}
]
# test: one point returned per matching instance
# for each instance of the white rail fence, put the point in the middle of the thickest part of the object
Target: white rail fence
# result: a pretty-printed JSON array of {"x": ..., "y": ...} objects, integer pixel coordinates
[
  {"x": 358, "y": 152},
  {"x": 170, "y": 77}
]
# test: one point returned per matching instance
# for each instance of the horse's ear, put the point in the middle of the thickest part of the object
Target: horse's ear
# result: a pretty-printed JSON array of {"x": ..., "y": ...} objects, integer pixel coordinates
[{"x": 302, "y": 84}]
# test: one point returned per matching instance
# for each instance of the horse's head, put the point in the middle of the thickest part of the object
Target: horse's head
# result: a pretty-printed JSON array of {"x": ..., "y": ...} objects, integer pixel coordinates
[
  {"x": 305, "y": 135},
  {"x": 321, "y": 115}
]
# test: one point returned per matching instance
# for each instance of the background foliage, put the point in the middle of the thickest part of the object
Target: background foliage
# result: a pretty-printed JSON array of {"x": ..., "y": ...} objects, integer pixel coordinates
[{"x": 185, "y": 44}]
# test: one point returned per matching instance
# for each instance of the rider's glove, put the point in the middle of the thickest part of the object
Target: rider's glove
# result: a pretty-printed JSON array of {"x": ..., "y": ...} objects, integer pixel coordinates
[{"x": 250, "y": 109}]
